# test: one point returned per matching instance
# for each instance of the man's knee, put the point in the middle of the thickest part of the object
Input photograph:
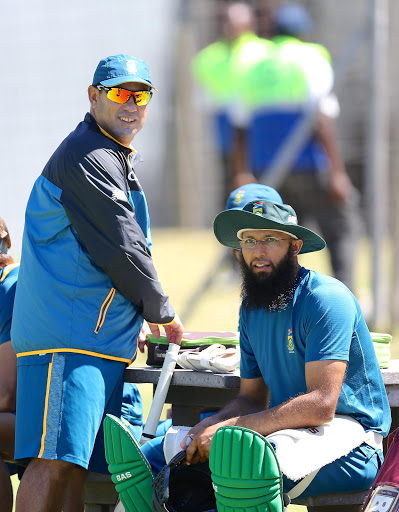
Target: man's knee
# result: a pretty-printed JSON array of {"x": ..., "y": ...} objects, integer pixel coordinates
[{"x": 53, "y": 469}]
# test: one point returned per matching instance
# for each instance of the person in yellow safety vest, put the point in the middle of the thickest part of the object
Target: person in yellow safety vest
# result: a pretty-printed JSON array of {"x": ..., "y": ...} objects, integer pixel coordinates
[
  {"x": 296, "y": 76},
  {"x": 217, "y": 69}
]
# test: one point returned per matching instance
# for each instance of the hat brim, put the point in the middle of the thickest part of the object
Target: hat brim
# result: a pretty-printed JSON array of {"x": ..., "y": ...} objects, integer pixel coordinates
[
  {"x": 119, "y": 80},
  {"x": 228, "y": 223}
]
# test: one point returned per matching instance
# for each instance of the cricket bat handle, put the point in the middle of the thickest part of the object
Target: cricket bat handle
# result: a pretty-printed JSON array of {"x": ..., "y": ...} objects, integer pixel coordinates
[{"x": 161, "y": 391}]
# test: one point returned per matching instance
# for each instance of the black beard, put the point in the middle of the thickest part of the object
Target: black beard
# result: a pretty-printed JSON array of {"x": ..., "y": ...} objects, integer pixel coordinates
[{"x": 272, "y": 291}]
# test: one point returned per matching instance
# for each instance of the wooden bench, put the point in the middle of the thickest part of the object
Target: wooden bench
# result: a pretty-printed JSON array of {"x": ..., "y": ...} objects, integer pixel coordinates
[
  {"x": 100, "y": 496},
  {"x": 346, "y": 502},
  {"x": 100, "y": 493},
  {"x": 190, "y": 392}
]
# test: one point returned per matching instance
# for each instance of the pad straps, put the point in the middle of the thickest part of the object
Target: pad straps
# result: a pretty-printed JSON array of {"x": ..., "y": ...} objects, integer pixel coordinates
[{"x": 298, "y": 489}]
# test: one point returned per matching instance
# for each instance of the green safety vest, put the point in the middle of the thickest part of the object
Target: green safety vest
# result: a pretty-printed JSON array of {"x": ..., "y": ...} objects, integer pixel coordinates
[
  {"x": 273, "y": 80},
  {"x": 219, "y": 67},
  {"x": 292, "y": 44}
]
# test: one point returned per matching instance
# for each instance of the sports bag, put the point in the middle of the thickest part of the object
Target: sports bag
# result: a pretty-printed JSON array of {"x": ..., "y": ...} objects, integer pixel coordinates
[
  {"x": 194, "y": 341},
  {"x": 384, "y": 494},
  {"x": 181, "y": 488}
]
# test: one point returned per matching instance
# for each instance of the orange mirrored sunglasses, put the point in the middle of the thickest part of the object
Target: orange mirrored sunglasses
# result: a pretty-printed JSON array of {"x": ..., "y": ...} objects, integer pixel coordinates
[{"x": 119, "y": 95}]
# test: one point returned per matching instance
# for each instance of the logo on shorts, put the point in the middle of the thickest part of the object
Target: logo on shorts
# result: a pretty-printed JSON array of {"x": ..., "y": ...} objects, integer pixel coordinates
[
  {"x": 291, "y": 346},
  {"x": 124, "y": 476}
]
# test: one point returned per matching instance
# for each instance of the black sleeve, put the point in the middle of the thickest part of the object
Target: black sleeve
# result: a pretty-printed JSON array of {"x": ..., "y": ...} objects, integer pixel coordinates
[{"x": 94, "y": 195}]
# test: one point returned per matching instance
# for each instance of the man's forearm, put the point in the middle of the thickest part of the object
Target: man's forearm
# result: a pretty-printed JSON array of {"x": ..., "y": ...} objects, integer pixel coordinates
[
  {"x": 240, "y": 406},
  {"x": 296, "y": 413},
  {"x": 328, "y": 137},
  {"x": 307, "y": 410}
]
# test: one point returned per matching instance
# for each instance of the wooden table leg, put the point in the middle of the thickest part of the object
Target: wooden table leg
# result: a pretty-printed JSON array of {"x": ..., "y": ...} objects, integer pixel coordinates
[
  {"x": 184, "y": 416},
  {"x": 188, "y": 402}
]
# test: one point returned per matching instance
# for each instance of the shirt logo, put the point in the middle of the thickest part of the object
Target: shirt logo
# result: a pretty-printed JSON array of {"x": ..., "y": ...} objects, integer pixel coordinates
[
  {"x": 131, "y": 176},
  {"x": 118, "y": 195},
  {"x": 290, "y": 345}
]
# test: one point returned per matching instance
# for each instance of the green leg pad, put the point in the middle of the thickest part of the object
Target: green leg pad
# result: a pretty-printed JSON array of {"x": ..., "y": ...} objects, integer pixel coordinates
[
  {"x": 245, "y": 472},
  {"x": 130, "y": 470}
]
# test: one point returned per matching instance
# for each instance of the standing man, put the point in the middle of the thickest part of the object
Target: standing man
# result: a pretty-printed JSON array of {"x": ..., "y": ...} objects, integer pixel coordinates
[
  {"x": 217, "y": 67},
  {"x": 319, "y": 172},
  {"x": 306, "y": 354},
  {"x": 86, "y": 283},
  {"x": 286, "y": 136}
]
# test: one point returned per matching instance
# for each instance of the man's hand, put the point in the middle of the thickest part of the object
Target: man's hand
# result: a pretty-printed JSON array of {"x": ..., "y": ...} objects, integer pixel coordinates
[
  {"x": 4, "y": 234},
  {"x": 201, "y": 438},
  {"x": 198, "y": 429},
  {"x": 174, "y": 331},
  {"x": 142, "y": 337},
  {"x": 339, "y": 187},
  {"x": 201, "y": 443},
  {"x": 5, "y": 259}
]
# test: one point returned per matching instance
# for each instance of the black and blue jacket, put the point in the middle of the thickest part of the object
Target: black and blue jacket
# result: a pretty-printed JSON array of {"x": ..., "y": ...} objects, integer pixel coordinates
[{"x": 87, "y": 278}]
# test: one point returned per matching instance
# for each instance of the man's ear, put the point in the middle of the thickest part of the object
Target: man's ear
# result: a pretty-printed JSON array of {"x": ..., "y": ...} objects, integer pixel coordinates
[
  {"x": 297, "y": 245},
  {"x": 93, "y": 93}
]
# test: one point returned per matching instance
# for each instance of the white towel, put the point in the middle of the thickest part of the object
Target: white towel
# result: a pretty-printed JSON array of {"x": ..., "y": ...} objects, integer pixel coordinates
[{"x": 303, "y": 450}]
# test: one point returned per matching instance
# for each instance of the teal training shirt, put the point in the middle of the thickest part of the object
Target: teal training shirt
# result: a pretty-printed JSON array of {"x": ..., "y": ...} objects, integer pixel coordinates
[
  {"x": 323, "y": 321},
  {"x": 8, "y": 283}
]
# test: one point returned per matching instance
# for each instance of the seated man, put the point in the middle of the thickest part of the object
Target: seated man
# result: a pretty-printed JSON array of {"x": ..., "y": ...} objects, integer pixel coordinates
[
  {"x": 306, "y": 356},
  {"x": 306, "y": 351}
]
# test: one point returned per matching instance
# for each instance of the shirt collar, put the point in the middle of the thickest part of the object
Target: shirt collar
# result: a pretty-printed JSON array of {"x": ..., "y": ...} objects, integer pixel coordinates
[{"x": 90, "y": 119}]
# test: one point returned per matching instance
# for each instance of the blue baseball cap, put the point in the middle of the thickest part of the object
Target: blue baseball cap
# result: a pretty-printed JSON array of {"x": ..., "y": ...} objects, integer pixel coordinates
[
  {"x": 119, "y": 69},
  {"x": 292, "y": 19},
  {"x": 251, "y": 192}
]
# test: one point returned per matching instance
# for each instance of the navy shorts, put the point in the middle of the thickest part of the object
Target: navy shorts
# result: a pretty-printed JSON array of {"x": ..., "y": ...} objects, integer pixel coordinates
[{"x": 62, "y": 399}]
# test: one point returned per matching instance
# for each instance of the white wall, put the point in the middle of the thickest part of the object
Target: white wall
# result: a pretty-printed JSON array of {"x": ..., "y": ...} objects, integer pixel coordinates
[{"x": 50, "y": 50}]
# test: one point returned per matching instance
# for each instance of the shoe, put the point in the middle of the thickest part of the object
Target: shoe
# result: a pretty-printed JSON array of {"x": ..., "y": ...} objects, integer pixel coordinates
[
  {"x": 245, "y": 472},
  {"x": 130, "y": 470}
]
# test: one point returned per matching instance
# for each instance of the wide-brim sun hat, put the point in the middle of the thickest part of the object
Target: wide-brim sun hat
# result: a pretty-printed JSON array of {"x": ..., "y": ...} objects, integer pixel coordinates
[{"x": 264, "y": 215}]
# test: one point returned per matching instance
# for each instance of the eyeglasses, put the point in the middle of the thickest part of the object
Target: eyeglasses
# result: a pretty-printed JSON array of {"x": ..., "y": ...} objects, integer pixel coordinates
[
  {"x": 3, "y": 247},
  {"x": 270, "y": 241},
  {"x": 119, "y": 95}
]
